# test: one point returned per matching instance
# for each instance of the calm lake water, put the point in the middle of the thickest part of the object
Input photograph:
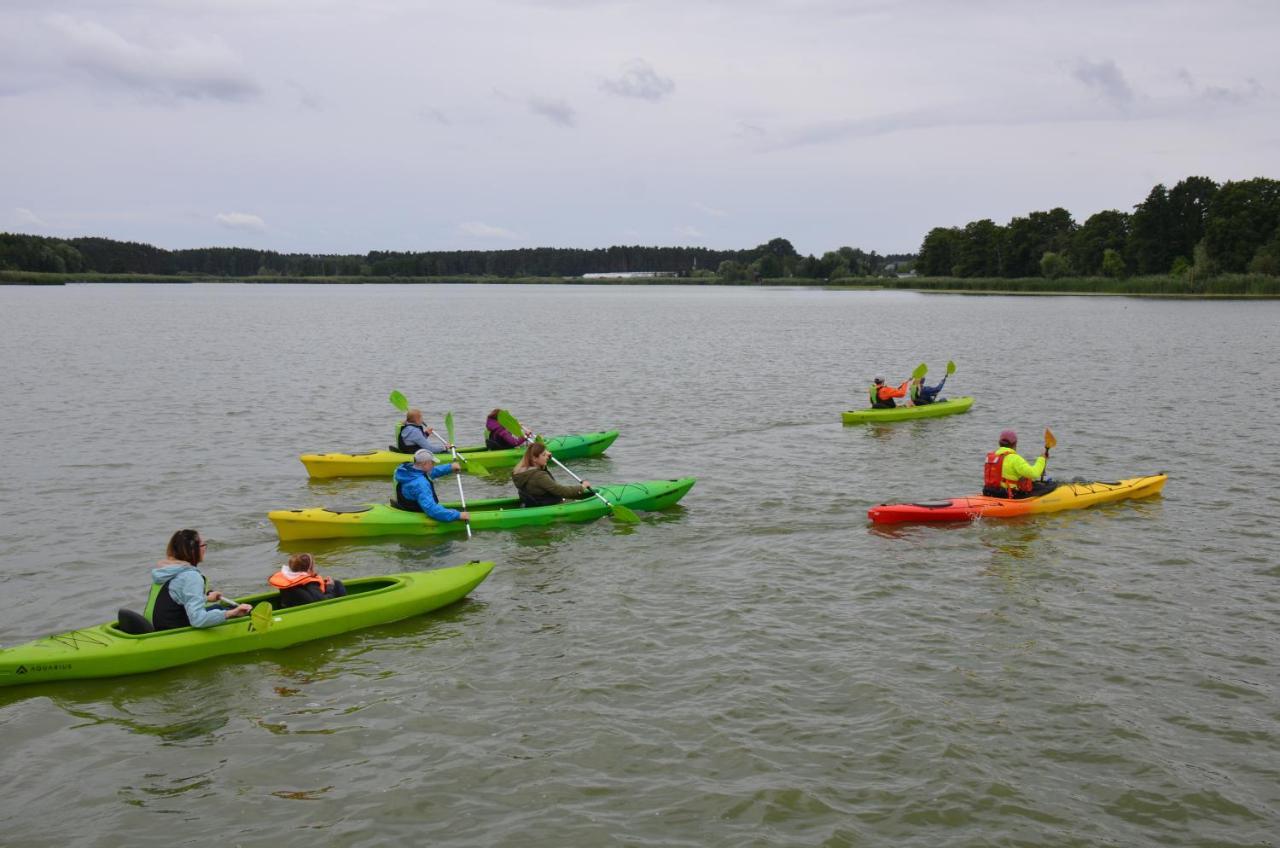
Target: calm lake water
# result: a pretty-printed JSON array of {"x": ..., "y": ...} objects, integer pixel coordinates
[{"x": 758, "y": 666}]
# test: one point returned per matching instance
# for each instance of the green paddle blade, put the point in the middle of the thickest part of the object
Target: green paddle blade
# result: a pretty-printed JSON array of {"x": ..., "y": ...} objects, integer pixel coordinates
[
  {"x": 1049, "y": 440},
  {"x": 951, "y": 368},
  {"x": 623, "y": 514},
  {"x": 448, "y": 426},
  {"x": 920, "y": 371},
  {"x": 399, "y": 401},
  {"x": 509, "y": 423},
  {"x": 474, "y": 467},
  {"x": 260, "y": 617}
]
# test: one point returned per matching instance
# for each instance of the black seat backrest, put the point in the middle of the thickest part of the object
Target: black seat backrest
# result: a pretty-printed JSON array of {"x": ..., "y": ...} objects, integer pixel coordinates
[{"x": 133, "y": 623}]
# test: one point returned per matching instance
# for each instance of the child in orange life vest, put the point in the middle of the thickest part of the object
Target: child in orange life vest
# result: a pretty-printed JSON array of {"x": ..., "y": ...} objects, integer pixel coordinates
[{"x": 299, "y": 584}]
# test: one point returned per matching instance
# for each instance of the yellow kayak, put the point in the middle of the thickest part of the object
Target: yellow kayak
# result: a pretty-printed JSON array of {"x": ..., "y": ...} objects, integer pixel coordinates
[{"x": 382, "y": 463}]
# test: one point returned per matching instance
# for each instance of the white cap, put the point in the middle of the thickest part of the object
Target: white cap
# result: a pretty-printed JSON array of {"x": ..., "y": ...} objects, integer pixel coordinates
[{"x": 424, "y": 455}]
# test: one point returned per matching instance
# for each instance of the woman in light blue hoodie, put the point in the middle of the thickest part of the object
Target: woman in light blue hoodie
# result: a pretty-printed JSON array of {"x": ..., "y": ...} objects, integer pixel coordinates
[{"x": 180, "y": 592}]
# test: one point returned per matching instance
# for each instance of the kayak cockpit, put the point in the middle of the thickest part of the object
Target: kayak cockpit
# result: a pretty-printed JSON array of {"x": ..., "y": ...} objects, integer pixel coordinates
[{"x": 131, "y": 625}]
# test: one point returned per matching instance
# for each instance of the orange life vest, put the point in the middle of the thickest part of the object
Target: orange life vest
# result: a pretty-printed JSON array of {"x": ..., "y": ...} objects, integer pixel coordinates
[
  {"x": 279, "y": 581},
  {"x": 993, "y": 475}
]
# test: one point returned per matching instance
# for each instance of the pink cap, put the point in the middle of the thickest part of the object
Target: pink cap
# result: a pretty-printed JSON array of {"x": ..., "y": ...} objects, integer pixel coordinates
[{"x": 1009, "y": 436}]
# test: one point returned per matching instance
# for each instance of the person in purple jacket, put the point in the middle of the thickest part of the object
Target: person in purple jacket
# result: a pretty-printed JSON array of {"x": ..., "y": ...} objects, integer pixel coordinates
[{"x": 497, "y": 437}]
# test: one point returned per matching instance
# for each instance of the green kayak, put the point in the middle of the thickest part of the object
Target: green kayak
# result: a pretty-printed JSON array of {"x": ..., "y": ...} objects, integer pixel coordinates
[
  {"x": 107, "y": 651},
  {"x": 489, "y": 514},
  {"x": 382, "y": 463},
  {"x": 904, "y": 413}
]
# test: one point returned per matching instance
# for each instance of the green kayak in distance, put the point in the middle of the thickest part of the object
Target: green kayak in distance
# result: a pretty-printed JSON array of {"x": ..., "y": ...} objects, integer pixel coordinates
[
  {"x": 487, "y": 514},
  {"x": 107, "y": 651},
  {"x": 905, "y": 413}
]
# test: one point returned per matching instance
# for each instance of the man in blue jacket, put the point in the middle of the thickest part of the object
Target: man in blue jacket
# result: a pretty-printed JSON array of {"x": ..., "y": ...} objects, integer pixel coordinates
[
  {"x": 415, "y": 491},
  {"x": 922, "y": 395}
]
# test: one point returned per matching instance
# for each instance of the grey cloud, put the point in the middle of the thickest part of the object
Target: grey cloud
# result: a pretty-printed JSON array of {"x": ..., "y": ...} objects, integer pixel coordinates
[
  {"x": 1105, "y": 78},
  {"x": 187, "y": 69},
  {"x": 241, "y": 221},
  {"x": 640, "y": 80},
  {"x": 1222, "y": 94},
  {"x": 556, "y": 111}
]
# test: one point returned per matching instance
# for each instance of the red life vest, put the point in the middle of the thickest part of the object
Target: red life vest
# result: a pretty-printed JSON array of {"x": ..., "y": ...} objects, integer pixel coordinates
[
  {"x": 993, "y": 474},
  {"x": 279, "y": 581}
]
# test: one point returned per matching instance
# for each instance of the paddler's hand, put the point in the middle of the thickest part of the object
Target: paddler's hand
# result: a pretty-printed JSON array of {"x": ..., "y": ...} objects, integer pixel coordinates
[
  {"x": 456, "y": 466},
  {"x": 464, "y": 515},
  {"x": 586, "y": 487},
  {"x": 213, "y": 597},
  {"x": 238, "y": 610}
]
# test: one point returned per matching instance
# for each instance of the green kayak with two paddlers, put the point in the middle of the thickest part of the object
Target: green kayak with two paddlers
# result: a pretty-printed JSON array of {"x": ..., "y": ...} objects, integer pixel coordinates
[
  {"x": 917, "y": 408},
  {"x": 486, "y": 514},
  {"x": 107, "y": 650}
]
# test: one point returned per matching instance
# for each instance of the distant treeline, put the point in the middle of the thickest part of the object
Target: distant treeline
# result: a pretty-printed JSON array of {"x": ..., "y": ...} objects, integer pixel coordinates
[
  {"x": 1198, "y": 230},
  {"x": 90, "y": 256}
]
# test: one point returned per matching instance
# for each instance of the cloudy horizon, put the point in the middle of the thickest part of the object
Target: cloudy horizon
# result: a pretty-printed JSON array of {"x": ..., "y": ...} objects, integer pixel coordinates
[{"x": 319, "y": 127}]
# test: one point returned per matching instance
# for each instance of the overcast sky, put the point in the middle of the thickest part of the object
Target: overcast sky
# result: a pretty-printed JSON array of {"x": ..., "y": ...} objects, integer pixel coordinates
[{"x": 355, "y": 125}]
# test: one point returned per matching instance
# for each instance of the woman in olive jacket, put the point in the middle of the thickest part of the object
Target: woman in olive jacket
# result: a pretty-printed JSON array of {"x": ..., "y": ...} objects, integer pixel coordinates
[{"x": 535, "y": 484}]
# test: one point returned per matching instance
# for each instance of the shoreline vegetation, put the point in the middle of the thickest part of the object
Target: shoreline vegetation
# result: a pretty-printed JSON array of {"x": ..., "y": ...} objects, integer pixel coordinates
[
  {"x": 1163, "y": 285},
  {"x": 1197, "y": 239}
]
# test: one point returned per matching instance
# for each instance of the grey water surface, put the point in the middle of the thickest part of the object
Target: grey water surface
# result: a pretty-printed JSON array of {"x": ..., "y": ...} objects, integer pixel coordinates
[{"x": 757, "y": 666}]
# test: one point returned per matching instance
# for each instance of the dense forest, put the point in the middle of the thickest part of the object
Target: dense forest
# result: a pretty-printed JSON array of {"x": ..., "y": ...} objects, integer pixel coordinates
[
  {"x": 1197, "y": 228},
  {"x": 777, "y": 258},
  {"x": 1194, "y": 232}
]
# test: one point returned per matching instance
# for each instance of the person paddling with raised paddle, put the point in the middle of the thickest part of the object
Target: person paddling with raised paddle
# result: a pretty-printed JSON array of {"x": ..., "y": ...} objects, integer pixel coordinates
[{"x": 922, "y": 395}]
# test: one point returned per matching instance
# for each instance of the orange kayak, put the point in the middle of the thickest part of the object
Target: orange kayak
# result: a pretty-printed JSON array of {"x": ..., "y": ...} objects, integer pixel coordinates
[{"x": 1065, "y": 496}]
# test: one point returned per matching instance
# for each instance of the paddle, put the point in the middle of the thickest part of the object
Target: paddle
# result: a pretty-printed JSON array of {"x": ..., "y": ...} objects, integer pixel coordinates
[
  {"x": 951, "y": 368},
  {"x": 1049, "y": 442},
  {"x": 401, "y": 403},
  {"x": 448, "y": 426},
  {"x": 920, "y": 371},
  {"x": 616, "y": 510},
  {"x": 511, "y": 425},
  {"x": 259, "y": 617}
]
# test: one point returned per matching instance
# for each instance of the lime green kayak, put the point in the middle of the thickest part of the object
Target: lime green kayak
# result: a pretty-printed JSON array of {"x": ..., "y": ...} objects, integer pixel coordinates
[
  {"x": 382, "y": 463},
  {"x": 904, "y": 413},
  {"x": 490, "y": 514},
  {"x": 107, "y": 651}
]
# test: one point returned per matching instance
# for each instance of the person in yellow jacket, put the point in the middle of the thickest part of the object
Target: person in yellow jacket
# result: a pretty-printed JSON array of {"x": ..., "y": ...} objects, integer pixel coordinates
[{"x": 1007, "y": 475}]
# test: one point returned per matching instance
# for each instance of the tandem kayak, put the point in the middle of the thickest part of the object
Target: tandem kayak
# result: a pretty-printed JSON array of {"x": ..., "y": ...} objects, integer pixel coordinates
[
  {"x": 382, "y": 463},
  {"x": 108, "y": 651},
  {"x": 1065, "y": 496},
  {"x": 490, "y": 514},
  {"x": 904, "y": 413}
]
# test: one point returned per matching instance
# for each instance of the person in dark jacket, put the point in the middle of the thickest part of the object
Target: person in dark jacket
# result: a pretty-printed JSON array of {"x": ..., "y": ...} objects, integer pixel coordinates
[
  {"x": 180, "y": 595},
  {"x": 534, "y": 482},
  {"x": 299, "y": 584}
]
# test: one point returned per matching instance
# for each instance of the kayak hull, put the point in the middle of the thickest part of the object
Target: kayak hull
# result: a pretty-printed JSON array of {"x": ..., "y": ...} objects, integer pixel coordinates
[
  {"x": 106, "y": 651},
  {"x": 382, "y": 463},
  {"x": 1065, "y": 496},
  {"x": 489, "y": 514},
  {"x": 906, "y": 413}
]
